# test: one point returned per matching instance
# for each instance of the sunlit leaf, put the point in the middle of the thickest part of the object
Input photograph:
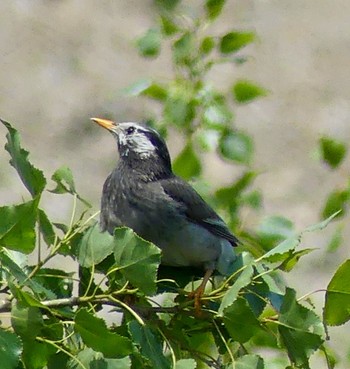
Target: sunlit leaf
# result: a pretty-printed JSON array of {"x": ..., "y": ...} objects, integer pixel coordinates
[
  {"x": 217, "y": 116},
  {"x": 27, "y": 321},
  {"x": 183, "y": 48},
  {"x": 333, "y": 151},
  {"x": 137, "y": 259},
  {"x": 169, "y": 27},
  {"x": 17, "y": 226},
  {"x": 31, "y": 177},
  {"x": 95, "y": 246},
  {"x": 249, "y": 362},
  {"x": 64, "y": 181},
  {"x": 337, "y": 306},
  {"x": 11, "y": 349},
  {"x": 234, "y": 41},
  {"x": 97, "y": 336},
  {"x": 245, "y": 91}
]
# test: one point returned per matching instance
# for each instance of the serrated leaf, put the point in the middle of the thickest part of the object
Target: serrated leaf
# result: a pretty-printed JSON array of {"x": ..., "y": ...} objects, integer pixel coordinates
[
  {"x": 149, "y": 44},
  {"x": 323, "y": 224},
  {"x": 214, "y": 8},
  {"x": 249, "y": 362},
  {"x": 333, "y": 151},
  {"x": 11, "y": 349},
  {"x": 281, "y": 249},
  {"x": 187, "y": 164},
  {"x": 94, "y": 246},
  {"x": 301, "y": 329},
  {"x": 27, "y": 321},
  {"x": 32, "y": 178},
  {"x": 46, "y": 228},
  {"x": 150, "y": 345},
  {"x": 137, "y": 259},
  {"x": 240, "y": 321},
  {"x": 245, "y": 91},
  {"x": 97, "y": 336},
  {"x": 234, "y": 41},
  {"x": 232, "y": 293},
  {"x": 292, "y": 258},
  {"x": 64, "y": 181},
  {"x": 237, "y": 146},
  {"x": 17, "y": 226},
  {"x": 337, "y": 306}
]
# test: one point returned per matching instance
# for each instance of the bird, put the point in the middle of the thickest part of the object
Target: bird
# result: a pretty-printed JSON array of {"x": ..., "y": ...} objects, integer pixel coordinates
[{"x": 144, "y": 194}]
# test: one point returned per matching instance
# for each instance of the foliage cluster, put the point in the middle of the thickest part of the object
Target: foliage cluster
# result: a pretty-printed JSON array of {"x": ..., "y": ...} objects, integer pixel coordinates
[{"x": 56, "y": 319}]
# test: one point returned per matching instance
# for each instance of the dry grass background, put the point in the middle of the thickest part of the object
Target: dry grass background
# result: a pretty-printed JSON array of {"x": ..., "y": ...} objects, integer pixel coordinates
[{"x": 63, "y": 61}]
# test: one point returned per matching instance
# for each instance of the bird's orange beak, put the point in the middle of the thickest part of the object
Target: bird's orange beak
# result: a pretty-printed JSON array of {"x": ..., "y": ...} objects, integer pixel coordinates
[{"x": 105, "y": 123}]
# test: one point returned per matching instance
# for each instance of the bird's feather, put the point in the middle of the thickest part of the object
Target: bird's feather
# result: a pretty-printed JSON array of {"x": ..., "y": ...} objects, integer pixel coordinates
[{"x": 195, "y": 208}]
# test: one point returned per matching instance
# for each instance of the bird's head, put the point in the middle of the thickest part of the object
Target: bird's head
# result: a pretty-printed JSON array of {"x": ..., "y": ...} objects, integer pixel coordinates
[{"x": 137, "y": 144}]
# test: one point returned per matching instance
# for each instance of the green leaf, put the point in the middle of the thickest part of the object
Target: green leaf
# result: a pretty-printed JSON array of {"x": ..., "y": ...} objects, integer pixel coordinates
[
  {"x": 150, "y": 345},
  {"x": 187, "y": 165},
  {"x": 31, "y": 177},
  {"x": 169, "y": 27},
  {"x": 240, "y": 321},
  {"x": 149, "y": 44},
  {"x": 186, "y": 364},
  {"x": 95, "y": 360},
  {"x": 17, "y": 226},
  {"x": 146, "y": 87},
  {"x": 95, "y": 246},
  {"x": 237, "y": 146},
  {"x": 336, "y": 200},
  {"x": 58, "y": 282},
  {"x": 282, "y": 248},
  {"x": 96, "y": 335},
  {"x": 207, "y": 45},
  {"x": 245, "y": 91},
  {"x": 333, "y": 151},
  {"x": 274, "y": 229},
  {"x": 234, "y": 41},
  {"x": 336, "y": 240},
  {"x": 27, "y": 321},
  {"x": 250, "y": 362},
  {"x": 179, "y": 110},
  {"x": 167, "y": 5},
  {"x": 214, "y": 8},
  {"x": 64, "y": 181},
  {"x": 337, "y": 306},
  {"x": 217, "y": 116},
  {"x": 183, "y": 49},
  {"x": 301, "y": 329},
  {"x": 137, "y": 259},
  {"x": 36, "y": 354},
  {"x": 292, "y": 258},
  {"x": 11, "y": 349},
  {"x": 228, "y": 195},
  {"x": 231, "y": 295},
  {"x": 46, "y": 228}
]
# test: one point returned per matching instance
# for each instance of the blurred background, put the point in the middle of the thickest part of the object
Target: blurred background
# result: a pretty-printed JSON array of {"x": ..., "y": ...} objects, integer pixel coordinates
[{"x": 64, "y": 61}]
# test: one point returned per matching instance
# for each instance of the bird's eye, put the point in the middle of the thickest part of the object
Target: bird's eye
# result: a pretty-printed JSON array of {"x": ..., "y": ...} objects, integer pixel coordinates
[{"x": 130, "y": 130}]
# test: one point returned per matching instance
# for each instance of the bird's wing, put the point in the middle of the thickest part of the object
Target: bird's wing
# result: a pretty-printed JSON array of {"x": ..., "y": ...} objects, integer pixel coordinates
[{"x": 196, "y": 209}]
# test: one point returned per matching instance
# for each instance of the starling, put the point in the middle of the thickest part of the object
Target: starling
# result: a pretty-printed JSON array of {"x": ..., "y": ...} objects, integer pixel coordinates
[{"x": 144, "y": 194}]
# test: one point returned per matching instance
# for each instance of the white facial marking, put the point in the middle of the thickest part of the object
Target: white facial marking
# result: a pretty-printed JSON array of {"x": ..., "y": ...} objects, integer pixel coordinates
[{"x": 137, "y": 141}]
